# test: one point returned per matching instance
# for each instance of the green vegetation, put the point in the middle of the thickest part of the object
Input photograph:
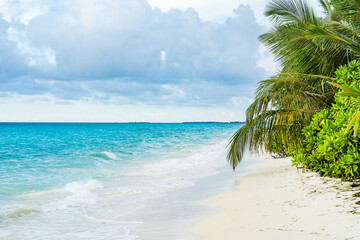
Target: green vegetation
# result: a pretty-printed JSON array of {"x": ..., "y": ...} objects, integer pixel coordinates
[
  {"x": 328, "y": 148},
  {"x": 297, "y": 111}
]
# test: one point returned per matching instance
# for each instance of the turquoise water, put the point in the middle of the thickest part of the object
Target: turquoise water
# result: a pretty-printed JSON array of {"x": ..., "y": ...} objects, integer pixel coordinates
[{"x": 98, "y": 181}]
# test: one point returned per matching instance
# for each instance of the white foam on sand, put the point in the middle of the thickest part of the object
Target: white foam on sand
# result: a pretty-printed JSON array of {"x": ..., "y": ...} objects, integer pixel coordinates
[
  {"x": 206, "y": 156},
  {"x": 110, "y": 155},
  {"x": 93, "y": 209}
]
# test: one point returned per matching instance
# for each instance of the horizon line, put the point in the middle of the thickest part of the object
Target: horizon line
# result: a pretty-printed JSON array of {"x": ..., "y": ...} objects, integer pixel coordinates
[{"x": 126, "y": 122}]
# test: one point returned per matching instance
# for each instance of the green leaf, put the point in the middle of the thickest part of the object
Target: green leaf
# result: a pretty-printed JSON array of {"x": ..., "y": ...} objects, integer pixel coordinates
[
  {"x": 354, "y": 122},
  {"x": 347, "y": 90}
]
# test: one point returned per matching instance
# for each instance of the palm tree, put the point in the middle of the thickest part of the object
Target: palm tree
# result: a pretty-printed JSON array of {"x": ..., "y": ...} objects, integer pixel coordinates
[{"x": 309, "y": 48}]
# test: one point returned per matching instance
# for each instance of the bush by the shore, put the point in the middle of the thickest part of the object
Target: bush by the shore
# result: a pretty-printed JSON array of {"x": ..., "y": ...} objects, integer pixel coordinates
[{"x": 327, "y": 149}]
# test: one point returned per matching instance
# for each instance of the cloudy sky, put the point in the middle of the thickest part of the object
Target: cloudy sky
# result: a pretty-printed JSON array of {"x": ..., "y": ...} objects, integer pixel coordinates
[{"x": 130, "y": 60}]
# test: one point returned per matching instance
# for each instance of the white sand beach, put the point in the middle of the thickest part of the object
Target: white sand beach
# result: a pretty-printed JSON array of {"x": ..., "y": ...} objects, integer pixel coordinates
[{"x": 279, "y": 201}]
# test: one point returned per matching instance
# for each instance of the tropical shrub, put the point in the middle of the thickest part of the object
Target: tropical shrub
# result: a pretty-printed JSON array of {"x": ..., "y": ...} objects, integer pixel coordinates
[
  {"x": 309, "y": 47},
  {"x": 327, "y": 149}
]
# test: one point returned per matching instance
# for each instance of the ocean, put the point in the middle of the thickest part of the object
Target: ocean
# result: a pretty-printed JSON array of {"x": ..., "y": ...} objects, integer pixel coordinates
[{"x": 110, "y": 180}]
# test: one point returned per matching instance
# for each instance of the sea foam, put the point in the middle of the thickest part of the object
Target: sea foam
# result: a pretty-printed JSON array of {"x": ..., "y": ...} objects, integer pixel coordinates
[
  {"x": 95, "y": 181},
  {"x": 106, "y": 155},
  {"x": 196, "y": 158}
]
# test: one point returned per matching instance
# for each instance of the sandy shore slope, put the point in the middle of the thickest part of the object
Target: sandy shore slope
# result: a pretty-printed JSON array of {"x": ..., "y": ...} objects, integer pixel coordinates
[{"x": 278, "y": 201}]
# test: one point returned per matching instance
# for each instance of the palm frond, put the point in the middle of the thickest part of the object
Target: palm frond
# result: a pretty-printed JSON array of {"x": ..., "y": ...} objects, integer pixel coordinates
[
  {"x": 238, "y": 143},
  {"x": 347, "y": 91},
  {"x": 325, "y": 4},
  {"x": 354, "y": 122},
  {"x": 309, "y": 48},
  {"x": 290, "y": 11}
]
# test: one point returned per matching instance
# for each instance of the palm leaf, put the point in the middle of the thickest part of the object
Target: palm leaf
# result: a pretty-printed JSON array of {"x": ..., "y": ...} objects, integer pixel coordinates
[
  {"x": 347, "y": 91},
  {"x": 309, "y": 48},
  {"x": 237, "y": 145},
  {"x": 288, "y": 11},
  {"x": 354, "y": 122}
]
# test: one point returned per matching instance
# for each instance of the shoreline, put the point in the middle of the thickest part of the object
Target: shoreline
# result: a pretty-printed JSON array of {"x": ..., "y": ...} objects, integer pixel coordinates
[
  {"x": 279, "y": 201},
  {"x": 184, "y": 205}
]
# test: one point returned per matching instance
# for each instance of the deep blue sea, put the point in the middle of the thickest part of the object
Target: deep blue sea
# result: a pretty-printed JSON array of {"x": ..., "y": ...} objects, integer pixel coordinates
[{"x": 108, "y": 181}]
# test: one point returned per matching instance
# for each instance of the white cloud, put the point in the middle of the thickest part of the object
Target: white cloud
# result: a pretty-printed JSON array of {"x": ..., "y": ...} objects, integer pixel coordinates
[
  {"x": 214, "y": 10},
  {"x": 241, "y": 101},
  {"x": 163, "y": 58},
  {"x": 119, "y": 38},
  {"x": 175, "y": 91},
  {"x": 24, "y": 10},
  {"x": 91, "y": 53},
  {"x": 218, "y": 10},
  {"x": 267, "y": 60},
  {"x": 39, "y": 57},
  {"x": 32, "y": 13}
]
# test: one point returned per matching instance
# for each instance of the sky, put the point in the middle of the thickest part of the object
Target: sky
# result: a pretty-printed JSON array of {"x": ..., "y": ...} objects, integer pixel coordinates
[{"x": 130, "y": 60}]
